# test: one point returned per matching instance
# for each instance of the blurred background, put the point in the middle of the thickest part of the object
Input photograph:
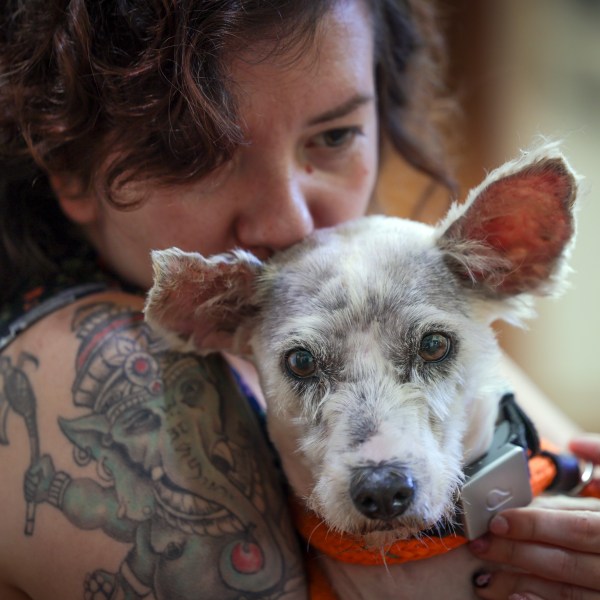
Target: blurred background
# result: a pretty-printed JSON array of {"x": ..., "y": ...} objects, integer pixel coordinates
[{"x": 520, "y": 70}]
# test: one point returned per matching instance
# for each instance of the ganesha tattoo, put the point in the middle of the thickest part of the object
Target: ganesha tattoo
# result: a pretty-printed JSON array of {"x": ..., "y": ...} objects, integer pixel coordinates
[{"x": 181, "y": 478}]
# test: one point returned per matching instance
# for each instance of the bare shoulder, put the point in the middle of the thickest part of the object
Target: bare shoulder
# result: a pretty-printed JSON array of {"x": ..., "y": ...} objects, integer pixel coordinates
[{"x": 132, "y": 470}]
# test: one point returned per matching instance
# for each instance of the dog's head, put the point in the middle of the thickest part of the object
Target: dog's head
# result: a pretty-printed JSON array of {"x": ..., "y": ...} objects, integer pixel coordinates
[{"x": 373, "y": 339}]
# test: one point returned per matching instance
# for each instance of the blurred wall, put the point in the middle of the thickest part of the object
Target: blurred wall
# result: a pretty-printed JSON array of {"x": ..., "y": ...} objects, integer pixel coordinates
[{"x": 544, "y": 61}]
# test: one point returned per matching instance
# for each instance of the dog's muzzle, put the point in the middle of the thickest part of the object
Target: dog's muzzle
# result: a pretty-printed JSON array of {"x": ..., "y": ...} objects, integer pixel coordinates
[{"x": 382, "y": 491}]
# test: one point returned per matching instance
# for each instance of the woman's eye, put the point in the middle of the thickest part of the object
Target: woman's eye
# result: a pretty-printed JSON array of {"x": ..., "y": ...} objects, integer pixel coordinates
[
  {"x": 335, "y": 138},
  {"x": 301, "y": 363},
  {"x": 434, "y": 347}
]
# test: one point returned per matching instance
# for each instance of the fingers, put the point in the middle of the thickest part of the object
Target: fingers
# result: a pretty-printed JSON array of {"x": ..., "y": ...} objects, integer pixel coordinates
[
  {"x": 566, "y": 503},
  {"x": 575, "y": 529},
  {"x": 587, "y": 447},
  {"x": 552, "y": 563},
  {"x": 518, "y": 586},
  {"x": 550, "y": 550}
]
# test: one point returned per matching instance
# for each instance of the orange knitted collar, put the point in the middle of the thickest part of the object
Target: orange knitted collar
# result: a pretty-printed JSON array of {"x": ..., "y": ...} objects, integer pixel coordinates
[{"x": 350, "y": 549}]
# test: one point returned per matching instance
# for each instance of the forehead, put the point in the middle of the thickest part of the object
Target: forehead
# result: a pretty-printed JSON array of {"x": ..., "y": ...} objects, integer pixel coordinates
[
  {"x": 337, "y": 63},
  {"x": 360, "y": 275}
]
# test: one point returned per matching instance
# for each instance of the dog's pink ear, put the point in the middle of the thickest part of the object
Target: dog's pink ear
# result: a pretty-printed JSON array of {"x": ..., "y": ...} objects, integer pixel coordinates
[
  {"x": 205, "y": 301},
  {"x": 511, "y": 235}
]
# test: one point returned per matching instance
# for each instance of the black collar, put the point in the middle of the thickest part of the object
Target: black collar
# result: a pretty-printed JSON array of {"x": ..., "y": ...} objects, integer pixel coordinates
[
  {"x": 513, "y": 429},
  {"x": 513, "y": 426}
]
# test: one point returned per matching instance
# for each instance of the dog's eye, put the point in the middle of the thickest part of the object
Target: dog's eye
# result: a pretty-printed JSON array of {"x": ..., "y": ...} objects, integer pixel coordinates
[
  {"x": 300, "y": 363},
  {"x": 434, "y": 347}
]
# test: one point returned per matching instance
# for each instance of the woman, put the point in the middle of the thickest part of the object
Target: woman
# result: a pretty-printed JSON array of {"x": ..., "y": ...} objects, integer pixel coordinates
[{"x": 128, "y": 126}]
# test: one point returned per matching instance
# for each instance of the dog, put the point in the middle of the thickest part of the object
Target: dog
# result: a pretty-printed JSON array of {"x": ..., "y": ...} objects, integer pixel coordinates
[{"x": 376, "y": 354}]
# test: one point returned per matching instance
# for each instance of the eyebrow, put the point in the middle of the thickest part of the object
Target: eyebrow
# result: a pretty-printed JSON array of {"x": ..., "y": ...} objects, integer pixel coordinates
[{"x": 343, "y": 109}]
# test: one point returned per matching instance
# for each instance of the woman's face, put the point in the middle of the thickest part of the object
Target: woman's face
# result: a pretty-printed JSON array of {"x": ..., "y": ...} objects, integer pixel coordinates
[{"x": 310, "y": 161}]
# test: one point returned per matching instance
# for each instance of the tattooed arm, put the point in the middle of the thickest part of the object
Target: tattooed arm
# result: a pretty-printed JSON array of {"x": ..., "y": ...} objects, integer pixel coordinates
[{"x": 130, "y": 470}]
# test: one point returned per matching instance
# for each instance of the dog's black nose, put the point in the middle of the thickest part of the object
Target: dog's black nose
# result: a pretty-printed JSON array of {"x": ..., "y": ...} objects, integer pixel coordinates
[{"x": 382, "y": 491}]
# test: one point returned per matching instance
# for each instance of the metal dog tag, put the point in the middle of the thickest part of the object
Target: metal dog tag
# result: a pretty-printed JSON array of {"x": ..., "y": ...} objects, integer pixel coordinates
[{"x": 497, "y": 481}]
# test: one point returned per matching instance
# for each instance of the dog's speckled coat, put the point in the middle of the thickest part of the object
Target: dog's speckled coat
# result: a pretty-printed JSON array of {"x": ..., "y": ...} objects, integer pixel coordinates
[{"x": 361, "y": 298}]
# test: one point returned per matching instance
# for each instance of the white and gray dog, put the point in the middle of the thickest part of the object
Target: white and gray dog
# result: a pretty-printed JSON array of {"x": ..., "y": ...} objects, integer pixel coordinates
[{"x": 375, "y": 350}]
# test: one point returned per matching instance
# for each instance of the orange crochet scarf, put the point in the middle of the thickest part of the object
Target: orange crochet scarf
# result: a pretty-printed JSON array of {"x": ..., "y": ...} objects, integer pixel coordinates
[{"x": 349, "y": 549}]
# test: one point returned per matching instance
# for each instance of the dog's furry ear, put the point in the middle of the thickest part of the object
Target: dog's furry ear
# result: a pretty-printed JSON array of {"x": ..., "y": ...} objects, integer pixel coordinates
[
  {"x": 512, "y": 234},
  {"x": 206, "y": 302}
]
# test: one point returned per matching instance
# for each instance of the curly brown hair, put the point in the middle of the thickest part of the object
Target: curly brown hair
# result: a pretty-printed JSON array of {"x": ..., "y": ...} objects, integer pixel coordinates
[{"x": 142, "y": 84}]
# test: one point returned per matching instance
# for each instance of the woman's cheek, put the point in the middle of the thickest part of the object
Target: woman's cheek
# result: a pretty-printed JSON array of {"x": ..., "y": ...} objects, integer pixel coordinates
[{"x": 361, "y": 177}]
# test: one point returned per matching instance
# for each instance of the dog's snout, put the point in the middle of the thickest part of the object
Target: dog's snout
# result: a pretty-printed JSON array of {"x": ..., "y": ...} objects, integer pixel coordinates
[{"x": 382, "y": 491}]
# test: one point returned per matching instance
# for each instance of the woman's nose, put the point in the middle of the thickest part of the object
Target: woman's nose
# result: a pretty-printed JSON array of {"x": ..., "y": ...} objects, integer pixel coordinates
[{"x": 277, "y": 213}]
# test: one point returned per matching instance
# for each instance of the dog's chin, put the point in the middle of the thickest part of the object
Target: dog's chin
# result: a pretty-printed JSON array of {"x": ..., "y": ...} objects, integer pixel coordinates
[
  {"x": 423, "y": 518},
  {"x": 382, "y": 533},
  {"x": 378, "y": 534}
]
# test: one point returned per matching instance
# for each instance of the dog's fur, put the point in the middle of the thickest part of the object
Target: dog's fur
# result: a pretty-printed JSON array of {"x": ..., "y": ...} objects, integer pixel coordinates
[{"x": 362, "y": 298}]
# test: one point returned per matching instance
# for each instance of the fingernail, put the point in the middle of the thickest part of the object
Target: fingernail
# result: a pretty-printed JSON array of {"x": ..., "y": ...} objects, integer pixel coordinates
[
  {"x": 481, "y": 579},
  {"x": 518, "y": 597},
  {"x": 499, "y": 525},
  {"x": 480, "y": 545}
]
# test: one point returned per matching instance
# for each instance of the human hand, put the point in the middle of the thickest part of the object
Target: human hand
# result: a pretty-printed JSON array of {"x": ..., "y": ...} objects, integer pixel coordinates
[
  {"x": 587, "y": 447},
  {"x": 549, "y": 550}
]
